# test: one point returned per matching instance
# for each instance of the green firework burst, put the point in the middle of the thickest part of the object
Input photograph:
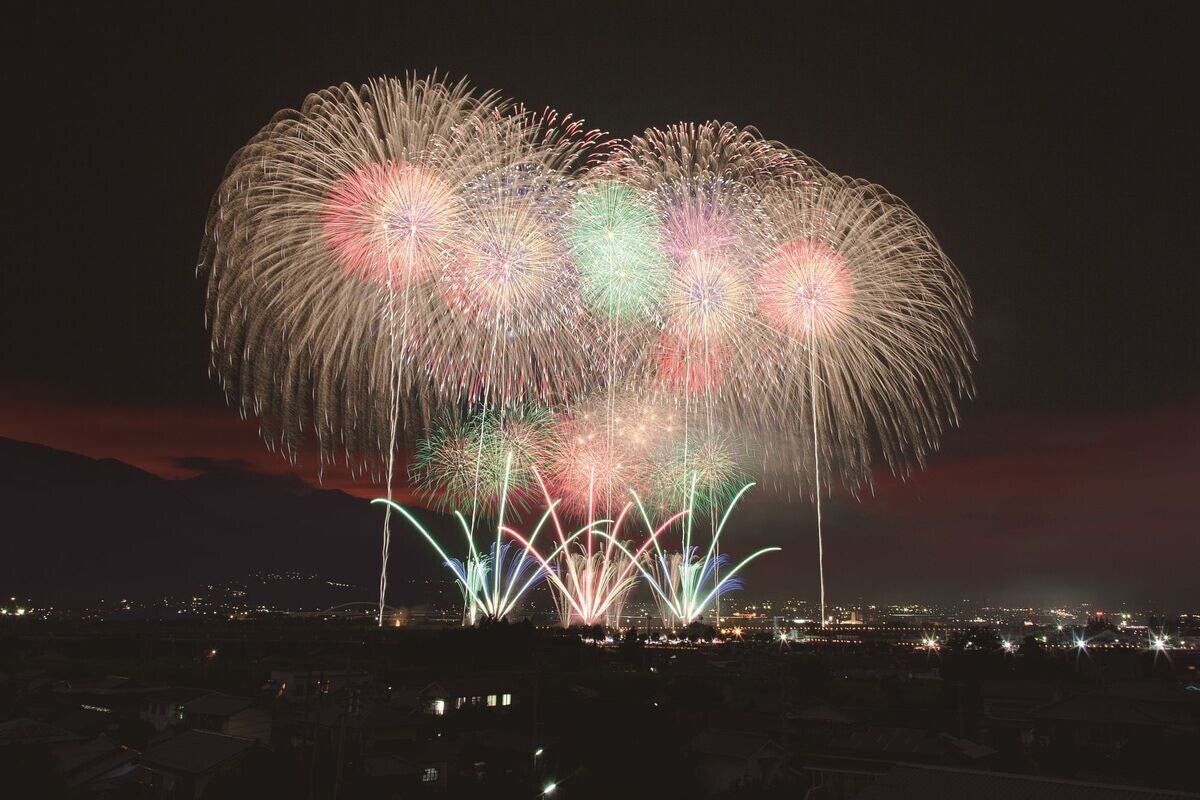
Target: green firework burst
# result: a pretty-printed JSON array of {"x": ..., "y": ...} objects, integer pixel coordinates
[{"x": 617, "y": 245}]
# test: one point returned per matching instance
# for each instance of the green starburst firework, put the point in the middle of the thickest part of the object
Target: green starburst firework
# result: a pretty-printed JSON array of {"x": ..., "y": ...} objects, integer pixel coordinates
[
  {"x": 703, "y": 472},
  {"x": 617, "y": 246},
  {"x": 468, "y": 462}
]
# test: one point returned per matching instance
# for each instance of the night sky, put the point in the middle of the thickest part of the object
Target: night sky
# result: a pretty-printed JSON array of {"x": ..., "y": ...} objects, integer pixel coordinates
[{"x": 1054, "y": 155}]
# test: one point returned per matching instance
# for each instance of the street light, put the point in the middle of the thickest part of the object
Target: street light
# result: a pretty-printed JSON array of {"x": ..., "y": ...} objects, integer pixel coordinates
[{"x": 549, "y": 790}]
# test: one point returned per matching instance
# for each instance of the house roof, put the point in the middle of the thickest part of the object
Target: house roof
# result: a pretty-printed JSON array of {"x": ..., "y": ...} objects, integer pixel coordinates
[
  {"x": 731, "y": 744},
  {"x": 175, "y": 694},
  {"x": 81, "y": 762},
  {"x": 903, "y": 741},
  {"x": 914, "y": 782},
  {"x": 387, "y": 766},
  {"x": 1158, "y": 693},
  {"x": 469, "y": 686},
  {"x": 196, "y": 752},
  {"x": 217, "y": 705},
  {"x": 374, "y": 716},
  {"x": 23, "y": 730},
  {"x": 821, "y": 712}
]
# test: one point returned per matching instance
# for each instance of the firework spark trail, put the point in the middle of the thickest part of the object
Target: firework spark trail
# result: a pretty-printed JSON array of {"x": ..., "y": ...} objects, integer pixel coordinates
[{"x": 494, "y": 582}]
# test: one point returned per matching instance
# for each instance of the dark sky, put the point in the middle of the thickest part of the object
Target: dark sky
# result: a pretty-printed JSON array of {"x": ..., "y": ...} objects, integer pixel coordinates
[{"x": 1053, "y": 152}]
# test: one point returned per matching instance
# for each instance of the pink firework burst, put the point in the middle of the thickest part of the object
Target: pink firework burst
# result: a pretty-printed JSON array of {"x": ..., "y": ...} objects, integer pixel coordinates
[
  {"x": 806, "y": 289},
  {"x": 593, "y": 473},
  {"x": 699, "y": 226},
  {"x": 390, "y": 222}
]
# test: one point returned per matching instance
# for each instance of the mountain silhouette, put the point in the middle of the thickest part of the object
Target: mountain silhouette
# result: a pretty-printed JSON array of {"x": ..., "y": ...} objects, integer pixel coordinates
[{"x": 77, "y": 530}]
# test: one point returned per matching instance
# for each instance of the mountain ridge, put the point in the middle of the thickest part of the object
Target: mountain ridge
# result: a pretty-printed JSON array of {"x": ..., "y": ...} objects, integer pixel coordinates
[{"x": 78, "y": 529}]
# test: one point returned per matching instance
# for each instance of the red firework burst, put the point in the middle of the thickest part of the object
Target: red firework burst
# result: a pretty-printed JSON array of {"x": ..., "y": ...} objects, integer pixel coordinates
[
  {"x": 806, "y": 289},
  {"x": 687, "y": 366},
  {"x": 391, "y": 222}
]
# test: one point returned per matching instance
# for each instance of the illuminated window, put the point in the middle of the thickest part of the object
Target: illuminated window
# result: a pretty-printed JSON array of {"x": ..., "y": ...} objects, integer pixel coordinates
[
  {"x": 439, "y": 707},
  {"x": 459, "y": 701},
  {"x": 506, "y": 699},
  {"x": 430, "y": 775},
  {"x": 491, "y": 701}
]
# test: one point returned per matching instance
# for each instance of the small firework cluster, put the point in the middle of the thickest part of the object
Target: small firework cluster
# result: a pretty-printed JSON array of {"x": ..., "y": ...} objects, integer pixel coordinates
[{"x": 546, "y": 315}]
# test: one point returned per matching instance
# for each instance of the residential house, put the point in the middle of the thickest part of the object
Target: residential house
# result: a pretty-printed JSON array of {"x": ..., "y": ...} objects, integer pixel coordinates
[
  {"x": 727, "y": 759},
  {"x": 233, "y": 716},
  {"x": 183, "y": 767}
]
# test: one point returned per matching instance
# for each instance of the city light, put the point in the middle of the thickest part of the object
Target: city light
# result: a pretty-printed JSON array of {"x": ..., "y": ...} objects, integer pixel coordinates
[{"x": 549, "y": 789}]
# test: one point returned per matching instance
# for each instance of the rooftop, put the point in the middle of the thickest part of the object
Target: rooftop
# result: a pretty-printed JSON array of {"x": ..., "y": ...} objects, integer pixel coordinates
[{"x": 196, "y": 752}]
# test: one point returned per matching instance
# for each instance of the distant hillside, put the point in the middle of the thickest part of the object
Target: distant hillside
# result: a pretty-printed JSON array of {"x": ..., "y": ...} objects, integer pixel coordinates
[{"x": 76, "y": 529}]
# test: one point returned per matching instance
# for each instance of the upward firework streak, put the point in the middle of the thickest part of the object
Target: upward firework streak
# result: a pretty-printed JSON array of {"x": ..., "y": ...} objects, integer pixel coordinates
[
  {"x": 685, "y": 584},
  {"x": 592, "y": 579},
  {"x": 493, "y": 580},
  {"x": 407, "y": 248}
]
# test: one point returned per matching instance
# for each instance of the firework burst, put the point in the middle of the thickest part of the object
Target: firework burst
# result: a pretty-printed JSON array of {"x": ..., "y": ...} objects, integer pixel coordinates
[
  {"x": 618, "y": 250},
  {"x": 704, "y": 472},
  {"x": 409, "y": 250},
  {"x": 869, "y": 318},
  {"x": 870, "y": 322},
  {"x": 609, "y": 446},
  {"x": 475, "y": 462}
]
